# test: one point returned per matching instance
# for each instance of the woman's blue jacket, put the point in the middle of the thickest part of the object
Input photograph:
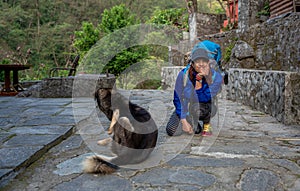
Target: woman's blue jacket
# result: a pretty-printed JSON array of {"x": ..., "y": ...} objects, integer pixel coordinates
[{"x": 185, "y": 93}]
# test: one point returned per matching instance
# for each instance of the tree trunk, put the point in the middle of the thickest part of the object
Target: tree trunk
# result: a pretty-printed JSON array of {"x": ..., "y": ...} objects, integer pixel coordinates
[
  {"x": 37, "y": 6},
  {"x": 38, "y": 16},
  {"x": 192, "y": 9},
  {"x": 219, "y": 1}
]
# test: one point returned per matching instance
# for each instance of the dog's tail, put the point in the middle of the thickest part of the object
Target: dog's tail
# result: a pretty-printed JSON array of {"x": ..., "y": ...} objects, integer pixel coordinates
[{"x": 97, "y": 164}]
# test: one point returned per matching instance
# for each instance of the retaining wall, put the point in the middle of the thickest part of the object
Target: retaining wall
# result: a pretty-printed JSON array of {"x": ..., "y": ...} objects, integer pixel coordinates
[
  {"x": 68, "y": 87},
  {"x": 274, "y": 92},
  {"x": 272, "y": 45}
]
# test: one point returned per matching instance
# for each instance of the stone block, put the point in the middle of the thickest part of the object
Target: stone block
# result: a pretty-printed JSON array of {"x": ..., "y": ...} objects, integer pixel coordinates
[
  {"x": 273, "y": 92},
  {"x": 169, "y": 75},
  {"x": 90, "y": 182},
  {"x": 258, "y": 179},
  {"x": 82, "y": 85},
  {"x": 13, "y": 157}
]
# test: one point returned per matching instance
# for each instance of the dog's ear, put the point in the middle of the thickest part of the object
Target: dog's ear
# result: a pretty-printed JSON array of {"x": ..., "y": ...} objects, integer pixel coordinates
[{"x": 103, "y": 98}]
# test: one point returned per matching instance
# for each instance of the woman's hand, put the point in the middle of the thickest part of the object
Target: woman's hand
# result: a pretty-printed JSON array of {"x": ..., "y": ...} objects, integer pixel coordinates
[
  {"x": 186, "y": 127},
  {"x": 204, "y": 70}
]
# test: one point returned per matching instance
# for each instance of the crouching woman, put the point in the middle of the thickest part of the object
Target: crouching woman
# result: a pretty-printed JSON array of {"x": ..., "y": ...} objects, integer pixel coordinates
[{"x": 195, "y": 88}]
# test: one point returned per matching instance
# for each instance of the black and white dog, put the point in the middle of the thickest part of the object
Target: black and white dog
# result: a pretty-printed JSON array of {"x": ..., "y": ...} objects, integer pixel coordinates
[{"x": 134, "y": 133}]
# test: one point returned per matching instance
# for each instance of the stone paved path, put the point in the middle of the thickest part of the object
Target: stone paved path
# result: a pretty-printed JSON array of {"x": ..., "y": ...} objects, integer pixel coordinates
[{"x": 43, "y": 141}]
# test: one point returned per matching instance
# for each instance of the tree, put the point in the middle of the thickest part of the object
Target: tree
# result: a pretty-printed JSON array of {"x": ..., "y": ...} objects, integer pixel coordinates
[
  {"x": 86, "y": 38},
  {"x": 47, "y": 27},
  {"x": 117, "y": 47},
  {"x": 116, "y": 18}
]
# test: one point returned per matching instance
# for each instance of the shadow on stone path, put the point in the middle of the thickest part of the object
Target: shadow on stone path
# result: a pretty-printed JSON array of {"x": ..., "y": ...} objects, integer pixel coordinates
[{"x": 248, "y": 153}]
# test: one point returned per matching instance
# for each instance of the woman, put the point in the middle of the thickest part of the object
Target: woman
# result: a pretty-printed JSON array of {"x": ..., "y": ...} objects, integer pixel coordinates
[{"x": 195, "y": 87}]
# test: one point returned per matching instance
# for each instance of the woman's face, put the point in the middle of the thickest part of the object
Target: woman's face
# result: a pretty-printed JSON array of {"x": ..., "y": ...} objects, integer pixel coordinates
[{"x": 201, "y": 66}]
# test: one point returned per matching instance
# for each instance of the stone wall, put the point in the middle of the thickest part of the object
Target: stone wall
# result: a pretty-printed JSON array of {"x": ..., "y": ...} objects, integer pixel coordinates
[
  {"x": 176, "y": 54},
  {"x": 209, "y": 23},
  {"x": 169, "y": 75},
  {"x": 68, "y": 87},
  {"x": 274, "y": 92},
  {"x": 272, "y": 45}
]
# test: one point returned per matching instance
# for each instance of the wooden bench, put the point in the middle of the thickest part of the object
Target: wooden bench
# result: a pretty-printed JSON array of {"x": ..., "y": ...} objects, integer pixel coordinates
[{"x": 72, "y": 69}]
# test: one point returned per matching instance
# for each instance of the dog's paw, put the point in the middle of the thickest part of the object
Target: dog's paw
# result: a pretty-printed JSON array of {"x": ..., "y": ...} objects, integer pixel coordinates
[
  {"x": 125, "y": 123},
  {"x": 109, "y": 131},
  {"x": 104, "y": 141},
  {"x": 113, "y": 121}
]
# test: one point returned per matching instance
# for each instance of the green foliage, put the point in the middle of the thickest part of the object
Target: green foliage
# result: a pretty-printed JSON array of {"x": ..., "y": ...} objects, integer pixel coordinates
[
  {"x": 172, "y": 17},
  {"x": 155, "y": 46},
  {"x": 47, "y": 27},
  {"x": 118, "y": 49},
  {"x": 210, "y": 6},
  {"x": 228, "y": 51},
  {"x": 265, "y": 11},
  {"x": 119, "y": 17},
  {"x": 124, "y": 59},
  {"x": 116, "y": 18},
  {"x": 86, "y": 37},
  {"x": 4, "y": 61},
  {"x": 230, "y": 26},
  {"x": 144, "y": 9},
  {"x": 142, "y": 75}
]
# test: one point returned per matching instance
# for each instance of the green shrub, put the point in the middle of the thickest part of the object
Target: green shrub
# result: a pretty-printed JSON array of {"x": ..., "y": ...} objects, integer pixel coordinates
[{"x": 228, "y": 51}]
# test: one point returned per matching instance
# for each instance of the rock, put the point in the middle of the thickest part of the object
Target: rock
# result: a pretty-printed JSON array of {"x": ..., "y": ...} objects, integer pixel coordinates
[
  {"x": 95, "y": 183},
  {"x": 12, "y": 157},
  {"x": 71, "y": 166},
  {"x": 205, "y": 162},
  {"x": 242, "y": 50},
  {"x": 192, "y": 177},
  {"x": 155, "y": 177},
  {"x": 258, "y": 179}
]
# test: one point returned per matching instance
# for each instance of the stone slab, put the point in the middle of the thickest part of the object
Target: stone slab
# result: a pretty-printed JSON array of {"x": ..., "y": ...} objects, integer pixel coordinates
[
  {"x": 13, "y": 157},
  {"x": 5, "y": 112},
  {"x": 71, "y": 166},
  {"x": 31, "y": 140},
  {"x": 4, "y": 136},
  {"x": 241, "y": 148},
  {"x": 183, "y": 160},
  {"x": 50, "y": 102},
  {"x": 72, "y": 142},
  {"x": 192, "y": 177},
  {"x": 52, "y": 120},
  {"x": 45, "y": 129},
  {"x": 260, "y": 180},
  {"x": 95, "y": 183},
  {"x": 284, "y": 151},
  {"x": 3, "y": 172},
  {"x": 6, "y": 175},
  {"x": 155, "y": 177},
  {"x": 43, "y": 110},
  {"x": 7, "y": 122},
  {"x": 287, "y": 164}
]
